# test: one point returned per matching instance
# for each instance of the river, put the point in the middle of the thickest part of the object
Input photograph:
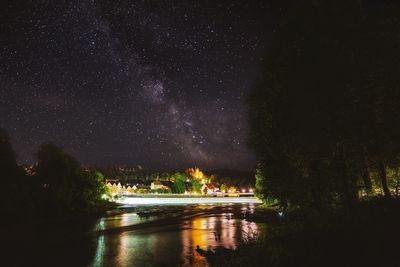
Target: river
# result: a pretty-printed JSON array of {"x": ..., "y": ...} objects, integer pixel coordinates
[{"x": 137, "y": 236}]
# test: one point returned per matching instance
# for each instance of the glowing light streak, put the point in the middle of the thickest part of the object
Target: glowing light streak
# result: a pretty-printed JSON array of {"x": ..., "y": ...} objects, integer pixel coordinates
[{"x": 177, "y": 201}]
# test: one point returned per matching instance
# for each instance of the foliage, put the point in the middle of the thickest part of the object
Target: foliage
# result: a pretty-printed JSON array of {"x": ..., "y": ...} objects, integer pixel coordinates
[
  {"x": 239, "y": 179},
  {"x": 61, "y": 186},
  {"x": 67, "y": 187},
  {"x": 167, "y": 191},
  {"x": 195, "y": 186},
  {"x": 93, "y": 186},
  {"x": 261, "y": 189},
  {"x": 8, "y": 162},
  {"x": 16, "y": 193},
  {"x": 141, "y": 191},
  {"x": 393, "y": 175},
  {"x": 324, "y": 113},
  {"x": 179, "y": 186},
  {"x": 223, "y": 188},
  {"x": 161, "y": 191},
  {"x": 205, "y": 190}
]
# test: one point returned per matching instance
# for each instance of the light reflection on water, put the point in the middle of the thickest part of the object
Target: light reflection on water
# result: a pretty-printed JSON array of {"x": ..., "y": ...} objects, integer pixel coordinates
[
  {"x": 172, "y": 243},
  {"x": 119, "y": 220}
]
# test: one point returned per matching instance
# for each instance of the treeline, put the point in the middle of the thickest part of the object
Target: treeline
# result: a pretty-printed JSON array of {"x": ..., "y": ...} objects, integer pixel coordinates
[
  {"x": 136, "y": 175},
  {"x": 235, "y": 178},
  {"x": 129, "y": 174},
  {"x": 325, "y": 112},
  {"x": 59, "y": 187}
]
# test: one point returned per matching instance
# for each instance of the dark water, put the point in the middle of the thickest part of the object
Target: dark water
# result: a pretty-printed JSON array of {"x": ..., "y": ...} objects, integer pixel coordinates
[{"x": 145, "y": 236}]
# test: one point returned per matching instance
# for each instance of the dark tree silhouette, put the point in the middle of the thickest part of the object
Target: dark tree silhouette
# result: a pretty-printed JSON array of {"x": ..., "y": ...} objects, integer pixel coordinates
[
  {"x": 8, "y": 162},
  {"x": 66, "y": 186},
  {"x": 15, "y": 193},
  {"x": 325, "y": 110}
]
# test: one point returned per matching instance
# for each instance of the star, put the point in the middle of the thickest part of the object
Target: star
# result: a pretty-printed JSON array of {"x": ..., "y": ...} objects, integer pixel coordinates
[{"x": 132, "y": 82}]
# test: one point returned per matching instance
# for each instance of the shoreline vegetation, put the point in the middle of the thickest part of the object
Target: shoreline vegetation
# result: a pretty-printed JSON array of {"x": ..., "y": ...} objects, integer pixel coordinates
[
  {"x": 58, "y": 187},
  {"x": 366, "y": 237},
  {"x": 324, "y": 119}
]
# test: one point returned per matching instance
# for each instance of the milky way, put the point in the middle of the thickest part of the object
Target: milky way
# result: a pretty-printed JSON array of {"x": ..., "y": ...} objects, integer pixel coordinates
[{"x": 157, "y": 83}]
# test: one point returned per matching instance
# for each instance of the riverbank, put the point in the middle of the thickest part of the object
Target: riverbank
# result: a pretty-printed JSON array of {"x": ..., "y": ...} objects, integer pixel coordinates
[{"x": 365, "y": 237}]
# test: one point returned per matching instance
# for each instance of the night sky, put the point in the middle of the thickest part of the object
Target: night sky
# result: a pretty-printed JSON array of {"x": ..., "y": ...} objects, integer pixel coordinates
[{"x": 158, "y": 83}]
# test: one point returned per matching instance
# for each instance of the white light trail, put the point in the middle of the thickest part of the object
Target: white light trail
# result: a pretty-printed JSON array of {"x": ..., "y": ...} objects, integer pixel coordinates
[{"x": 195, "y": 200}]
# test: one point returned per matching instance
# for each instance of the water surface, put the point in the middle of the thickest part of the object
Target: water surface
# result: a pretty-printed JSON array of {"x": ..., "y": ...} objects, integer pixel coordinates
[{"x": 141, "y": 236}]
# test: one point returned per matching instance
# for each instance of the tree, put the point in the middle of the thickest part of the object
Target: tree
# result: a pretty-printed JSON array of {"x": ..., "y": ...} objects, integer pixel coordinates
[
  {"x": 205, "y": 190},
  {"x": 8, "y": 162},
  {"x": 93, "y": 185},
  {"x": 223, "y": 187},
  {"x": 196, "y": 186},
  {"x": 261, "y": 189},
  {"x": 323, "y": 112},
  {"x": 179, "y": 186},
  {"x": 13, "y": 179},
  {"x": 67, "y": 186}
]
